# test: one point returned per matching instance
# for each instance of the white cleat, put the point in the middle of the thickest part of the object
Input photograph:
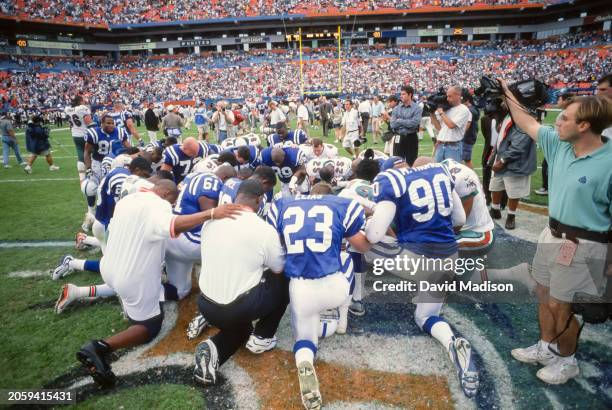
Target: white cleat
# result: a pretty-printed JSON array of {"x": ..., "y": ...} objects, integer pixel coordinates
[
  {"x": 196, "y": 327},
  {"x": 258, "y": 345},
  {"x": 27, "y": 169},
  {"x": 460, "y": 352},
  {"x": 66, "y": 297},
  {"x": 559, "y": 370},
  {"x": 206, "y": 363},
  {"x": 53, "y": 168},
  {"x": 533, "y": 354},
  {"x": 309, "y": 386},
  {"x": 63, "y": 268}
]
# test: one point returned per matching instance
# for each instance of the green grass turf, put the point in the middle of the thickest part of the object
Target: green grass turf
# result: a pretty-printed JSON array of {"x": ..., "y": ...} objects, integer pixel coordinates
[
  {"x": 49, "y": 205},
  {"x": 36, "y": 345},
  {"x": 164, "y": 396}
]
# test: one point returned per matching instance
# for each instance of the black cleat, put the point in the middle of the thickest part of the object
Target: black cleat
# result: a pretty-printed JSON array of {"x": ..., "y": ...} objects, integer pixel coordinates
[
  {"x": 510, "y": 222},
  {"x": 93, "y": 355}
]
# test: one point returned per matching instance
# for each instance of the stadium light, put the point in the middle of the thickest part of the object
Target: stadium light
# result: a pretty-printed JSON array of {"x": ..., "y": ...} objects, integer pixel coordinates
[
  {"x": 583, "y": 14},
  {"x": 179, "y": 38},
  {"x": 560, "y": 19},
  {"x": 164, "y": 39}
]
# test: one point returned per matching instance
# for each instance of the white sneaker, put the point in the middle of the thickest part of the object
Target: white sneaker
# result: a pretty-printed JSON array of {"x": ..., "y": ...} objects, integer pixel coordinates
[
  {"x": 533, "y": 354},
  {"x": 309, "y": 386},
  {"x": 258, "y": 345},
  {"x": 460, "y": 352},
  {"x": 559, "y": 371},
  {"x": 7, "y": 166},
  {"x": 63, "y": 268},
  {"x": 196, "y": 327},
  {"x": 53, "y": 168},
  {"x": 23, "y": 163},
  {"x": 27, "y": 169},
  {"x": 66, "y": 297}
]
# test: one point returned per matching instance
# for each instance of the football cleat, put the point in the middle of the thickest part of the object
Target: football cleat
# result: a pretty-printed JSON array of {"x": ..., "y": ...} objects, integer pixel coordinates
[
  {"x": 53, "y": 168},
  {"x": 27, "y": 169},
  {"x": 258, "y": 345},
  {"x": 67, "y": 296},
  {"x": 87, "y": 222},
  {"x": 533, "y": 354},
  {"x": 196, "y": 327},
  {"x": 94, "y": 356},
  {"x": 559, "y": 370},
  {"x": 460, "y": 353},
  {"x": 206, "y": 363},
  {"x": 63, "y": 268},
  {"x": 309, "y": 386},
  {"x": 78, "y": 241},
  {"x": 356, "y": 308}
]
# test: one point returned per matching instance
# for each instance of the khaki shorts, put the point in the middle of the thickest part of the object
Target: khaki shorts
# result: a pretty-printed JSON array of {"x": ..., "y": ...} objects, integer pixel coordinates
[
  {"x": 515, "y": 187},
  {"x": 585, "y": 274},
  {"x": 350, "y": 138}
]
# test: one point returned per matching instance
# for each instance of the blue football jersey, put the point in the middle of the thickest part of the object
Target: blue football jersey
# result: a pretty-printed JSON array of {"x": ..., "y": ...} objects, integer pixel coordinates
[
  {"x": 296, "y": 137},
  {"x": 294, "y": 158},
  {"x": 104, "y": 143},
  {"x": 121, "y": 118},
  {"x": 423, "y": 197},
  {"x": 109, "y": 192},
  {"x": 312, "y": 229},
  {"x": 214, "y": 149},
  {"x": 179, "y": 161},
  {"x": 195, "y": 186}
]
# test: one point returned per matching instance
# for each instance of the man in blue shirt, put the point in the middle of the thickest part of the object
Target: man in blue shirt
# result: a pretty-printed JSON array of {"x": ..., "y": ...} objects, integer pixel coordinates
[
  {"x": 312, "y": 228},
  {"x": 571, "y": 253},
  {"x": 286, "y": 162},
  {"x": 425, "y": 209}
]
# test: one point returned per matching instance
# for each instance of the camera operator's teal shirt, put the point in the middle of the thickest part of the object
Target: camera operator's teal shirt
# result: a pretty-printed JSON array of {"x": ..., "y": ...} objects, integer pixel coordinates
[{"x": 579, "y": 189}]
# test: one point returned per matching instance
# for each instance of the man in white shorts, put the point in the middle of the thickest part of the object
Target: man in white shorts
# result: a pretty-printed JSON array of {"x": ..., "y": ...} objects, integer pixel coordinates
[{"x": 351, "y": 123}]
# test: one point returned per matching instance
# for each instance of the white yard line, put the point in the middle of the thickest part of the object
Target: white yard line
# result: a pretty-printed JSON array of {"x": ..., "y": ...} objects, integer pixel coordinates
[
  {"x": 37, "y": 180},
  {"x": 36, "y": 244}
]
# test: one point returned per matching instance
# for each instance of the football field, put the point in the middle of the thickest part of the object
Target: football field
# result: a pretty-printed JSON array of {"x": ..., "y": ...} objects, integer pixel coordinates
[{"x": 383, "y": 361}]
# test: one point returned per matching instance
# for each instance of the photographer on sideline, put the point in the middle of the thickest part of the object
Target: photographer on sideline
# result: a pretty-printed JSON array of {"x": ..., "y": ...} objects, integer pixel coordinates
[
  {"x": 37, "y": 143},
  {"x": 571, "y": 253},
  {"x": 405, "y": 122},
  {"x": 452, "y": 125}
]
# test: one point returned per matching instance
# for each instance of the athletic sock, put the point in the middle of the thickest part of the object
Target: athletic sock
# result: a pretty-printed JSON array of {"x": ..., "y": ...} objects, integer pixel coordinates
[
  {"x": 77, "y": 264},
  {"x": 439, "y": 330},
  {"x": 304, "y": 354},
  {"x": 91, "y": 241},
  {"x": 495, "y": 206},
  {"x": 511, "y": 212}
]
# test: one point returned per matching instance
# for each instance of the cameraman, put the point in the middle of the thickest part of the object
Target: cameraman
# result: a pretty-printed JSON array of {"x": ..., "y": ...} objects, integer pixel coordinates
[
  {"x": 37, "y": 143},
  {"x": 452, "y": 125},
  {"x": 571, "y": 252},
  {"x": 405, "y": 121}
]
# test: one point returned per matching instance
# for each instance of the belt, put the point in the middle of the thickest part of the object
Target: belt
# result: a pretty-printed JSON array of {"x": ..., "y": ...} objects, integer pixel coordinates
[
  {"x": 233, "y": 302},
  {"x": 448, "y": 142},
  {"x": 572, "y": 233}
]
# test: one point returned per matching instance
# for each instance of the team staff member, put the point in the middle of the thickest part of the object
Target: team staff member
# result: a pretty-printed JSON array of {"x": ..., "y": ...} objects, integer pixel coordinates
[
  {"x": 571, "y": 251},
  {"x": 237, "y": 291},
  {"x": 132, "y": 267},
  {"x": 405, "y": 122}
]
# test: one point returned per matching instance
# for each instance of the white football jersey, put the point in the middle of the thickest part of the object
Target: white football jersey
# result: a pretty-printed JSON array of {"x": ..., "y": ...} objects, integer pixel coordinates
[
  {"x": 208, "y": 165},
  {"x": 361, "y": 191},
  {"x": 342, "y": 167},
  {"x": 76, "y": 118},
  {"x": 468, "y": 184},
  {"x": 329, "y": 151}
]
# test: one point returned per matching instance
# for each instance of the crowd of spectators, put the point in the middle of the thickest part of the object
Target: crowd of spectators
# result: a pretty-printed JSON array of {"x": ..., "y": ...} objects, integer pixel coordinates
[
  {"x": 142, "y": 11},
  {"x": 137, "y": 79}
]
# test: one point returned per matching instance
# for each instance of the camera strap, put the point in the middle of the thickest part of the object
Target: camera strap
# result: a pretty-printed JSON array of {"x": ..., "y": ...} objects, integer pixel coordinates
[{"x": 567, "y": 323}]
